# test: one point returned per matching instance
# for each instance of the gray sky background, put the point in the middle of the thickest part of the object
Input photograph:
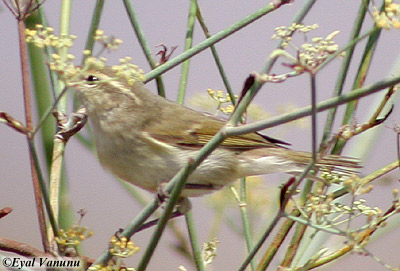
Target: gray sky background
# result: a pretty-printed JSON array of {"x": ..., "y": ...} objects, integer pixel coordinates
[{"x": 109, "y": 207}]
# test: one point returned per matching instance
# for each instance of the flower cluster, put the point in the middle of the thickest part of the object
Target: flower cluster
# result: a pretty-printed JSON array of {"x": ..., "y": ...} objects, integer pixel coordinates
[
  {"x": 313, "y": 54},
  {"x": 110, "y": 43},
  {"x": 330, "y": 213},
  {"x": 63, "y": 63},
  {"x": 285, "y": 33},
  {"x": 63, "y": 66},
  {"x": 128, "y": 71},
  {"x": 122, "y": 247},
  {"x": 221, "y": 98},
  {"x": 44, "y": 37},
  {"x": 310, "y": 54},
  {"x": 73, "y": 236},
  {"x": 331, "y": 177},
  {"x": 389, "y": 17}
]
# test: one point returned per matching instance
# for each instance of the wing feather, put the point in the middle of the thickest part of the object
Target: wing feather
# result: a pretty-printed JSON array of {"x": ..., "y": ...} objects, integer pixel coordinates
[{"x": 199, "y": 130}]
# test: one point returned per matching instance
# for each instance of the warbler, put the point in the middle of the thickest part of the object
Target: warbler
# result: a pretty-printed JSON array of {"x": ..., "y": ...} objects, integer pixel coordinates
[{"x": 146, "y": 139}]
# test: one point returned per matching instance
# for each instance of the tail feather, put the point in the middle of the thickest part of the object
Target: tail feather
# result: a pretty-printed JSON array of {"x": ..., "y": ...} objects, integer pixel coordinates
[{"x": 337, "y": 163}]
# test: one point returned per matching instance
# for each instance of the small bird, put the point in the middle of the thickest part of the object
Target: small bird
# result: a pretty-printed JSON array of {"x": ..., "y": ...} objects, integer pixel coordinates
[{"x": 146, "y": 139}]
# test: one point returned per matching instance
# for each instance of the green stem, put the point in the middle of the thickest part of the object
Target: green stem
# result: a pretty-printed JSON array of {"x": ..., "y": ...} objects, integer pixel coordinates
[
  {"x": 294, "y": 245},
  {"x": 255, "y": 249},
  {"x": 359, "y": 81},
  {"x": 43, "y": 188},
  {"x": 143, "y": 43},
  {"x": 130, "y": 229},
  {"x": 245, "y": 219},
  {"x": 271, "y": 252},
  {"x": 289, "y": 194},
  {"x": 181, "y": 247},
  {"x": 245, "y": 101},
  {"x": 369, "y": 178},
  {"x": 194, "y": 242},
  {"x": 176, "y": 184},
  {"x": 59, "y": 146},
  {"x": 301, "y": 229},
  {"x": 94, "y": 25},
  {"x": 188, "y": 44},
  {"x": 276, "y": 243},
  {"x": 306, "y": 111},
  {"x": 42, "y": 88},
  {"x": 317, "y": 226},
  {"x": 216, "y": 58},
  {"x": 313, "y": 117},
  {"x": 278, "y": 216},
  {"x": 344, "y": 70},
  {"x": 64, "y": 31},
  {"x": 212, "y": 40},
  {"x": 257, "y": 85}
]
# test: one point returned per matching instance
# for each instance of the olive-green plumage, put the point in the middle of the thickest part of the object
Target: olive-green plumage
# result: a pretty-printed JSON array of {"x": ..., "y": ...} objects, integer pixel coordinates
[{"x": 145, "y": 139}]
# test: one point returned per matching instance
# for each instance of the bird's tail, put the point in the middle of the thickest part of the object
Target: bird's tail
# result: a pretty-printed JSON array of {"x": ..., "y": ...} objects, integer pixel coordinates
[{"x": 336, "y": 163}]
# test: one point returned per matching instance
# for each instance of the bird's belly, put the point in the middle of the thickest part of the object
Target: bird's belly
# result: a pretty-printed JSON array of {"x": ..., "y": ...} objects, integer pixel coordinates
[
  {"x": 138, "y": 169},
  {"x": 148, "y": 169}
]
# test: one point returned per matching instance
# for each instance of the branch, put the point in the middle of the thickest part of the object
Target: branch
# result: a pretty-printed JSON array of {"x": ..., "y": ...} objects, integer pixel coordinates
[
  {"x": 26, "y": 250},
  {"x": 20, "y": 248},
  {"x": 13, "y": 123}
]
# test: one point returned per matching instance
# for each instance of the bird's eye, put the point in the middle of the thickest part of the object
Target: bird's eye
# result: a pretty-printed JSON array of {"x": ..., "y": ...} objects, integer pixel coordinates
[{"x": 91, "y": 79}]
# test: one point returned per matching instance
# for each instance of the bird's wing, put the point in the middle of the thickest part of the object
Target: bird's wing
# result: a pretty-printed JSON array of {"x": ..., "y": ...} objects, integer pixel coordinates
[{"x": 194, "y": 129}]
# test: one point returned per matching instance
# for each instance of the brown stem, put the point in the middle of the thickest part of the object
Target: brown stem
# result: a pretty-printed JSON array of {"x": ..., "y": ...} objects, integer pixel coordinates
[
  {"x": 26, "y": 250},
  {"x": 5, "y": 211},
  {"x": 276, "y": 243},
  {"x": 20, "y": 248},
  {"x": 13, "y": 123},
  {"x": 29, "y": 125},
  {"x": 294, "y": 245}
]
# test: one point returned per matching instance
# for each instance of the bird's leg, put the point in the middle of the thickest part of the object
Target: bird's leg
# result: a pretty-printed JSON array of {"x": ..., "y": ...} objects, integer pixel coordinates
[
  {"x": 70, "y": 125},
  {"x": 182, "y": 207}
]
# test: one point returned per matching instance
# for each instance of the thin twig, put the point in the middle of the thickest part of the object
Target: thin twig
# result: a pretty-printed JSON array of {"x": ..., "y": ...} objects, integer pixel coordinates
[
  {"x": 20, "y": 248},
  {"x": 306, "y": 111},
  {"x": 29, "y": 125},
  {"x": 217, "y": 60},
  {"x": 212, "y": 40},
  {"x": 143, "y": 43}
]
